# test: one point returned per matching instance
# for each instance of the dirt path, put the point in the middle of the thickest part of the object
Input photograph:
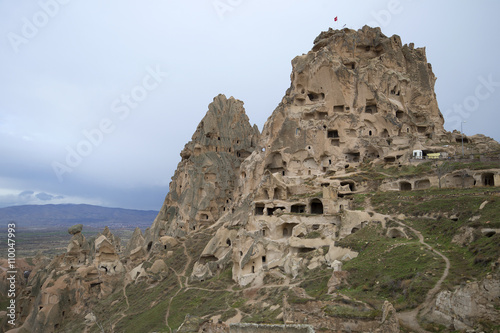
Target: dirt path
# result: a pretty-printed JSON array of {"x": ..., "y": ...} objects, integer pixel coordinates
[
  {"x": 123, "y": 313},
  {"x": 179, "y": 279},
  {"x": 409, "y": 318}
]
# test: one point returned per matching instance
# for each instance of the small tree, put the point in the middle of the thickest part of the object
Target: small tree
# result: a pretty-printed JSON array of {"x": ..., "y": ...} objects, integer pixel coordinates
[{"x": 442, "y": 168}]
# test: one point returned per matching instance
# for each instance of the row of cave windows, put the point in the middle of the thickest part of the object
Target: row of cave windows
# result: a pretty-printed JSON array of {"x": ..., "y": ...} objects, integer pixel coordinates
[
  {"x": 370, "y": 108},
  {"x": 211, "y": 136},
  {"x": 241, "y": 154},
  {"x": 334, "y": 134},
  {"x": 335, "y": 137},
  {"x": 316, "y": 207},
  {"x": 487, "y": 179}
]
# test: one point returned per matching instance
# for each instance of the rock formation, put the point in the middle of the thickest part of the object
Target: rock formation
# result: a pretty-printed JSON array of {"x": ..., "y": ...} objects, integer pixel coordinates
[
  {"x": 78, "y": 247},
  {"x": 202, "y": 188},
  {"x": 357, "y": 97},
  {"x": 64, "y": 287},
  {"x": 274, "y": 205},
  {"x": 462, "y": 308}
]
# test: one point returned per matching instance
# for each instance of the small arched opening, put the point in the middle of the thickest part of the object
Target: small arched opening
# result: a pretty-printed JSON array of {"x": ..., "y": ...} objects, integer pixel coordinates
[
  {"x": 488, "y": 179},
  {"x": 395, "y": 233},
  {"x": 405, "y": 186},
  {"x": 150, "y": 244},
  {"x": 316, "y": 206},
  {"x": 423, "y": 184}
]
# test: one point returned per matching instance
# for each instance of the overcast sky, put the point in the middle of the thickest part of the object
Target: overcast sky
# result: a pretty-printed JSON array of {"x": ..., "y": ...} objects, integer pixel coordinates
[{"x": 97, "y": 98}]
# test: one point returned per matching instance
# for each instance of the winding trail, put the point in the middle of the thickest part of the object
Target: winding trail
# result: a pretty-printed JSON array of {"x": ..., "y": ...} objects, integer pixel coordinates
[
  {"x": 179, "y": 279},
  {"x": 184, "y": 286},
  {"x": 406, "y": 318},
  {"x": 123, "y": 313},
  {"x": 409, "y": 318}
]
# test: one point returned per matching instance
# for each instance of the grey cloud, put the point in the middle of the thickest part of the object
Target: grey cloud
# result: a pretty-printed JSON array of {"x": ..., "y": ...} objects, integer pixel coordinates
[
  {"x": 44, "y": 196},
  {"x": 62, "y": 84}
]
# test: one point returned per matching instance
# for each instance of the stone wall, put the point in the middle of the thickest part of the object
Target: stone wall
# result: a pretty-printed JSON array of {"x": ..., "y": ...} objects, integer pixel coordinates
[{"x": 250, "y": 328}]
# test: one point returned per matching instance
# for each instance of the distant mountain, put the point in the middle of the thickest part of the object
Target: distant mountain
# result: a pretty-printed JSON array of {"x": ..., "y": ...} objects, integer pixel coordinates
[{"x": 64, "y": 215}]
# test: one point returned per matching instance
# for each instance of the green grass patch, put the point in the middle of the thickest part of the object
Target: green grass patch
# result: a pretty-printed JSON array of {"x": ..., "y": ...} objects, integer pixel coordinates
[
  {"x": 199, "y": 303},
  {"x": 150, "y": 320},
  {"x": 316, "y": 282},
  {"x": 313, "y": 235},
  {"x": 468, "y": 262},
  {"x": 399, "y": 270},
  {"x": 264, "y": 317},
  {"x": 142, "y": 296},
  {"x": 222, "y": 281}
]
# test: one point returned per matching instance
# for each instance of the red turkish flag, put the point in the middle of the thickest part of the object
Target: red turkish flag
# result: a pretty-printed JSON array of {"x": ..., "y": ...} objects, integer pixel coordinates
[{"x": 335, "y": 19}]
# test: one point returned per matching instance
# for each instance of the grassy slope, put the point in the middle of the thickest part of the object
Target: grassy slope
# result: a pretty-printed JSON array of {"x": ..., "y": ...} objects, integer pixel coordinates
[
  {"x": 399, "y": 270},
  {"x": 467, "y": 262}
]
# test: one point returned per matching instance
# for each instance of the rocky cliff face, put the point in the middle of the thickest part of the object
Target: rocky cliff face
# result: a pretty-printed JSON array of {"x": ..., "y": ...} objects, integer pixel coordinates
[
  {"x": 202, "y": 188},
  {"x": 462, "y": 308},
  {"x": 357, "y": 97}
]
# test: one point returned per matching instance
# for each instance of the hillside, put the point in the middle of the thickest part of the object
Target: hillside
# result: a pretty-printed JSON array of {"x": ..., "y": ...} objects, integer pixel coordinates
[{"x": 352, "y": 211}]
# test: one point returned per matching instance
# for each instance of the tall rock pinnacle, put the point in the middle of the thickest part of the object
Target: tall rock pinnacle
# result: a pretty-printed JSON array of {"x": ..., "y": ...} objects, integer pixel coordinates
[{"x": 201, "y": 190}]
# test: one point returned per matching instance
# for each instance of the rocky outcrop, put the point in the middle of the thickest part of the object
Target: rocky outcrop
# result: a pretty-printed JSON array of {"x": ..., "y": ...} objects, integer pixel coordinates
[
  {"x": 466, "y": 306},
  {"x": 202, "y": 188},
  {"x": 78, "y": 247},
  {"x": 135, "y": 244},
  {"x": 62, "y": 288},
  {"x": 357, "y": 97},
  {"x": 107, "y": 249}
]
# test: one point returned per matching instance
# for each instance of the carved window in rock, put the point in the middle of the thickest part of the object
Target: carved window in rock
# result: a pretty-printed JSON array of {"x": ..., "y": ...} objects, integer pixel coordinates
[
  {"x": 333, "y": 134},
  {"x": 259, "y": 209},
  {"x": 488, "y": 179},
  {"x": 298, "y": 209},
  {"x": 338, "y": 108},
  {"x": 371, "y": 108},
  {"x": 316, "y": 206},
  {"x": 405, "y": 186}
]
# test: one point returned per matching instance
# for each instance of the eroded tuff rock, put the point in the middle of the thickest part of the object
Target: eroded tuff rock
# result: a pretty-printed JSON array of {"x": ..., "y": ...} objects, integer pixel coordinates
[
  {"x": 107, "y": 248},
  {"x": 78, "y": 247},
  {"x": 356, "y": 97},
  {"x": 202, "y": 188},
  {"x": 276, "y": 203},
  {"x": 466, "y": 306},
  {"x": 135, "y": 244},
  {"x": 64, "y": 287}
]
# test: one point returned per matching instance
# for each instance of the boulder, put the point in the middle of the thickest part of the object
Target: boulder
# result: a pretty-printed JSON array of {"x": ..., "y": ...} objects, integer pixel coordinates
[{"x": 77, "y": 228}]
